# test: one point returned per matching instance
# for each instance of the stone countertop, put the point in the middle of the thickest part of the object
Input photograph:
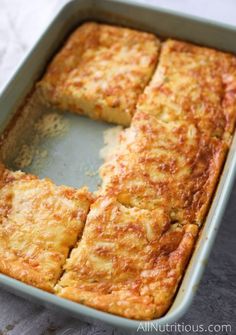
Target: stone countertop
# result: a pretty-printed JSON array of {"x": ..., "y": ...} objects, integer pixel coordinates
[{"x": 21, "y": 22}]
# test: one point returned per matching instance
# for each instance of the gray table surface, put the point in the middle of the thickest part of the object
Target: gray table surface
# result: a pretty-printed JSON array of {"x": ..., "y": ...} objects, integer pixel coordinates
[{"x": 21, "y": 22}]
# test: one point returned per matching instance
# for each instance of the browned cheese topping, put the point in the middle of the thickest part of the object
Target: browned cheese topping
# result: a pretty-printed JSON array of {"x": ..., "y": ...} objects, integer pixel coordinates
[
  {"x": 40, "y": 223},
  {"x": 157, "y": 181},
  {"x": 101, "y": 71}
]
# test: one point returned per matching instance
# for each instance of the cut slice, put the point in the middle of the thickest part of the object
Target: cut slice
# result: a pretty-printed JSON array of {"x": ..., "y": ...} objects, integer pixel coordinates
[
  {"x": 39, "y": 223},
  {"x": 172, "y": 165},
  {"x": 129, "y": 261},
  {"x": 195, "y": 84},
  {"x": 101, "y": 71}
]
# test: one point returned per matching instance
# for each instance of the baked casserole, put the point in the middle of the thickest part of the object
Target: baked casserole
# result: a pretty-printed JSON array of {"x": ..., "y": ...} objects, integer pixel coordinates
[{"x": 124, "y": 250}]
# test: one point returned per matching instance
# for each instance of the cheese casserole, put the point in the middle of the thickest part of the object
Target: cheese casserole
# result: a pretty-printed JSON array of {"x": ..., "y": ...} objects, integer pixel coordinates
[
  {"x": 129, "y": 261},
  {"x": 157, "y": 183},
  {"x": 172, "y": 154},
  {"x": 156, "y": 187},
  {"x": 40, "y": 223},
  {"x": 101, "y": 71}
]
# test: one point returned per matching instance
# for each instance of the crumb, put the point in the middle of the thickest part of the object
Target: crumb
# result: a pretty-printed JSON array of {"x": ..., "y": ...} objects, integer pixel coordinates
[
  {"x": 25, "y": 156},
  {"x": 111, "y": 140},
  {"x": 91, "y": 173},
  {"x": 51, "y": 125}
]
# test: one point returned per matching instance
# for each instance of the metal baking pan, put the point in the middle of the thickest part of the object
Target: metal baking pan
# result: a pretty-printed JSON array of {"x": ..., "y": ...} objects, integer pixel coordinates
[{"x": 82, "y": 141}]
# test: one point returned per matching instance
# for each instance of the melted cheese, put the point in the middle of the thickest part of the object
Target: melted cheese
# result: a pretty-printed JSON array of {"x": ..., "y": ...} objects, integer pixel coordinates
[
  {"x": 172, "y": 154},
  {"x": 157, "y": 180},
  {"x": 168, "y": 165},
  {"x": 101, "y": 71},
  {"x": 129, "y": 261},
  {"x": 157, "y": 186},
  {"x": 39, "y": 223},
  {"x": 195, "y": 84}
]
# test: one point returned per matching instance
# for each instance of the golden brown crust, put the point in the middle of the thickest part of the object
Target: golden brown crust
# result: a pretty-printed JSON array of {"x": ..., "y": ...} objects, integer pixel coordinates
[
  {"x": 128, "y": 262},
  {"x": 157, "y": 184},
  {"x": 101, "y": 71},
  {"x": 172, "y": 165},
  {"x": 39, "y": 223},
  {"x": 173, "y": 153},
  {"x": 194, "y": 84}
]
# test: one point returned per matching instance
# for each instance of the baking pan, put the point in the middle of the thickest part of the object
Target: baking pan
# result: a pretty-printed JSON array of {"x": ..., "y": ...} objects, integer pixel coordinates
[{"x": 74, "y": 153}]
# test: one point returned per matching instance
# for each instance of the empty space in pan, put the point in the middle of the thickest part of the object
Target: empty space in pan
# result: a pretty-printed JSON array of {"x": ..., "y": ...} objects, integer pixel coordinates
[{"x": 60, "y": 145}]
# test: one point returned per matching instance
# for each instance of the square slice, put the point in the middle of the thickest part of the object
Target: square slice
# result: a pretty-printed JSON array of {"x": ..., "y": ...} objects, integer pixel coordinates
[
  {"x": 195, "y": 84},
  {"x": 101, "y": 71},
  {"x": 171, "y": 165},
  {"x": 39, "y": 223},
  {"x": 129, "y": 261}
]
